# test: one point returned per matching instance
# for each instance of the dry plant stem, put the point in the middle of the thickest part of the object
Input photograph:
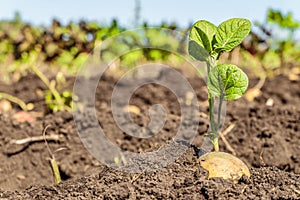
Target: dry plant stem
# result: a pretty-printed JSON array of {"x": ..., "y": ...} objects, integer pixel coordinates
[
  {"x": 51, "y": 87},
  {"x": 134, "y": 178},
  {"x": 244, "y": 188},
  {"x": 261, "y": 158},
  {"x": 13, "y": 99},
  {"x": 223, "y": 134},
  {"x": 260, "y": 83},
  {"x": 228, "y": 129},
  {"x": 53, "y": 162},
  {"x": 37, "y": 139}
]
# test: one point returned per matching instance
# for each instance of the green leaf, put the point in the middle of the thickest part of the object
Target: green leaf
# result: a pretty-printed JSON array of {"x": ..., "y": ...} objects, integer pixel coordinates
[
  {"x": 203, "y": 33},
  {"x": 197, "y": 51},
  {"x": 231, "y": 33},
  {"x": 227, "y": 81},
  {"x": 284, "y": 21}
]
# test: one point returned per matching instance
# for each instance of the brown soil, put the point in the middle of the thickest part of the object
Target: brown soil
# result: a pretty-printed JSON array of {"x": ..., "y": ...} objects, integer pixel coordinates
[{"x": 266, "y": 138}]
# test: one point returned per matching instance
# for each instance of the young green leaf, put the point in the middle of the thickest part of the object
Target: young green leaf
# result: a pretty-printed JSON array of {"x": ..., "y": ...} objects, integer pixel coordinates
[
  {"x": 203, "y": 32},
  {"x": 231, "y": 33},
  {"x": 197, "y": 51},
  {"x": 227, "y": 81}
]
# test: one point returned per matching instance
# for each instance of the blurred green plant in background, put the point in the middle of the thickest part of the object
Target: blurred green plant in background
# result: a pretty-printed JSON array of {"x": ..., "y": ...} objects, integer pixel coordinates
[
  {"x": 274, "y": 48},
  {"x": 65, "y": 48},
  {"x": 68, "y": 47},
  {"x": 271, "y": 48}
]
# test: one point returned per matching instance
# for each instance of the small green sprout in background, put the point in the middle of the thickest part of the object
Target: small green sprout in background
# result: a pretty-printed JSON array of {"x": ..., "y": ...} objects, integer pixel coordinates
[
  {"x": 225, "y": 81},
  {"x": 54, "y": 99},
  {"x": 52, "y": 160}
]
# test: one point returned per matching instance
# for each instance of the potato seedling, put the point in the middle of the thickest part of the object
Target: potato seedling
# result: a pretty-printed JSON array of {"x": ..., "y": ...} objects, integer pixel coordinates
[{"x": 225, "y": 81}]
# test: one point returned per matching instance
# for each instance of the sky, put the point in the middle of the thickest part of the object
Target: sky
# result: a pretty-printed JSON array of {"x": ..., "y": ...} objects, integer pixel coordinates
[{"x": 184, "y": 12}]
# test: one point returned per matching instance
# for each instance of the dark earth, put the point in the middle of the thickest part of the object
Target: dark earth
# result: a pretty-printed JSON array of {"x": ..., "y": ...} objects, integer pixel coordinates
[{"x": 266, "y": 138}]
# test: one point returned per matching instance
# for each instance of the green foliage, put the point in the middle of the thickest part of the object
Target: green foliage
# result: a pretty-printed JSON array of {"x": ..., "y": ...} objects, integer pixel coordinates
[
  {"x": 197, "y": 51},
  {"x": 206, "y": 41},
  {"x": 131, "y": 58},
  {"x": 68, "y": 46},
  {"x": 271, "y": 60},
  {"x": 203, "y": 33},
  {"x": 24, "y": 47},
  {"x": 227, "y": 81},
  {"x": 231, "y": 33},
  {"x": 215, "y": 40},
  {"x": 158, "y": 45},
  {"x": 55, "y": 106},
  {"x": 273, "y": 48},
  {"x": 284, "y": 21}
]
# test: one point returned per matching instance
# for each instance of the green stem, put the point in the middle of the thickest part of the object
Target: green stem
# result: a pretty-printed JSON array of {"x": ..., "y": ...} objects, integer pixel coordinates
[
  {"x": 55, "y": 93},
  {"x": 55, "y": 170},
  {"x": 15, "y": 100},
  {"x": 47, "y": 83},
  {"x": 211, "y": 113},
  {"x": 220, "y": 111},
  {"x": 214, "y": 128}
]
